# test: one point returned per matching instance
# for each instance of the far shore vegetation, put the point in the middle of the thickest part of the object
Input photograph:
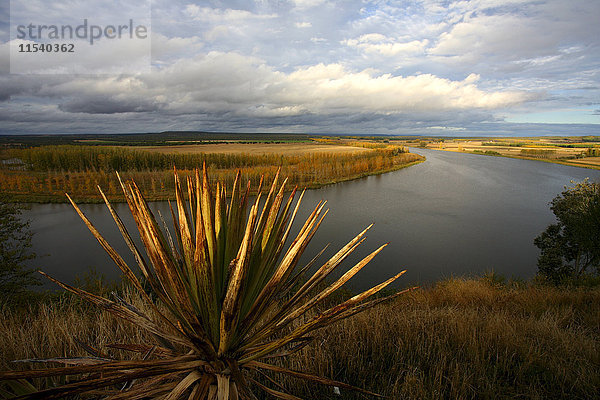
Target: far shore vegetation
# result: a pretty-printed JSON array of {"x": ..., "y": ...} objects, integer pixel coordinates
[
  {"x": 43, "y": 173},
  {"x": 576, "y": 151}
]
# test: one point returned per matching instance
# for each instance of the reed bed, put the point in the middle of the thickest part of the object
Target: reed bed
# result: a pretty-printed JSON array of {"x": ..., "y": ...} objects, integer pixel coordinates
[{"x": 50, "y": 171}]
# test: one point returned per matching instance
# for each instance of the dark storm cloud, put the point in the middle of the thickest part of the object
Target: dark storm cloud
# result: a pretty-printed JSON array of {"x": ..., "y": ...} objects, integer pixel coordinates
[{"x": 107, "y": 105}]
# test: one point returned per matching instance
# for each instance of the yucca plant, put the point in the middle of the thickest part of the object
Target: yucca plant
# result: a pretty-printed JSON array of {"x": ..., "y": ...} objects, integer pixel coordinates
[{"x": 225, "y": 302}]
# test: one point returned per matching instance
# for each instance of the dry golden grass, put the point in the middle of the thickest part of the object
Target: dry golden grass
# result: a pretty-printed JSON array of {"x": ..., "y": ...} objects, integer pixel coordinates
[
  {"x": 254, "y": 148},
  {"x": 52, "y": 329},
  {"x": 466, "y": 339},
  {"x": 588, "y": 161},
  {"x": 462, "y": 339}
]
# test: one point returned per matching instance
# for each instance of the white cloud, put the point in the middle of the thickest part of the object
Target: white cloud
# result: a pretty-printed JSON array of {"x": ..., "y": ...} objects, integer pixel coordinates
[
  {"x": 164, "y": 47},
  {"x": 219, "y": 83},
  {"x": 217, "y": 15},
  {"x": 372, "y": 38},
  {"x": 495, "y": 36},
  {"x": 303, "y": 24},
  {"x": 375, "y": 43},
  {"x": 305, "y": 4},
  {"x": 329, "y": 88},
  {"x": 229, "y": 82},
  {"x": 503, "y": 31},
  {"x": 447, "y": 128}
]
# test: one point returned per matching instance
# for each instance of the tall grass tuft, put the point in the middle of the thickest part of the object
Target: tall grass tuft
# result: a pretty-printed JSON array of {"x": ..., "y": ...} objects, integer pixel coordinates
[{"x": 224, "y": 301}]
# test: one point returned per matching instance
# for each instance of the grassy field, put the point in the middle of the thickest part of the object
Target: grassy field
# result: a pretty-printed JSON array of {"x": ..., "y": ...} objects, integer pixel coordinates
[
  {"x": 562, "y": 150},
  {"x": 592, "y": 161},
  {"x": 461, "y": 339}
]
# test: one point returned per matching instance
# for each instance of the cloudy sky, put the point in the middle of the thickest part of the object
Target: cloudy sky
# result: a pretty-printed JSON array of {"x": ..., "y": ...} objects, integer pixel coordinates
[{"x": 431, "y": 67}]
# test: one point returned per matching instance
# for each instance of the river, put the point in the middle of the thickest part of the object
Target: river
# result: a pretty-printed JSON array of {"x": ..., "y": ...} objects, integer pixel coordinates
[{"x": 453, "y": 215}]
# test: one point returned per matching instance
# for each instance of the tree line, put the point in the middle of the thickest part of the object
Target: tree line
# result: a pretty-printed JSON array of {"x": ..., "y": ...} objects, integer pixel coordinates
[{"x": 83, "y": 158}]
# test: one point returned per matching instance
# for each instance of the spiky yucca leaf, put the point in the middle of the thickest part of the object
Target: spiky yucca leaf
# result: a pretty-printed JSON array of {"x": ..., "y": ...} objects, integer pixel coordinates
[{"x": 226, "y": 284}]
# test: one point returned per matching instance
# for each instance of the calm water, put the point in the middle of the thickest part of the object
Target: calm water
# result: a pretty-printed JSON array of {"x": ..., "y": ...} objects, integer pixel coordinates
[{"x": 454, "y": 215}]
